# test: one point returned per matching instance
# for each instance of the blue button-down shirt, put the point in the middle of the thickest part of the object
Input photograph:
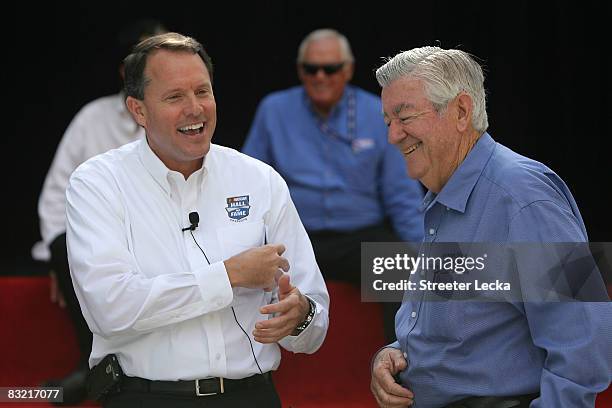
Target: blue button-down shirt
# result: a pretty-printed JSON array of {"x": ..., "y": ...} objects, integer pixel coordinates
[
  {"x": 457, "y": 349},
  {"x": 336, "y": 183}
]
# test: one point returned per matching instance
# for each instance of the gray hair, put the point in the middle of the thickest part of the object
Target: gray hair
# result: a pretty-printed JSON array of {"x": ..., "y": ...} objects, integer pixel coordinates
[
  {"x": 445, "y": 73},
  {"x": 324, "y": 33}
]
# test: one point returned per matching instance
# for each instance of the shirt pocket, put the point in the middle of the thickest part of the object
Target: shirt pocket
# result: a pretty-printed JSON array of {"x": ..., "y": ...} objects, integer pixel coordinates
[
  {"x": 361, "y": 169},
  {"x": 240, "y": 237},
  {"x": 442, "y": 322},
  {"x": 234, "y": 240}
]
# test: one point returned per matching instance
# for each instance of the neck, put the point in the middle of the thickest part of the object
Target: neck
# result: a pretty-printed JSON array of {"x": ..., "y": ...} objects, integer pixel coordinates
[
  {"x": 189, "y": 168},
  {"x": 186, "y": 168},
  {"x": 466, "y": 144},
  {"x": 325, "y": 110},
  {"x": 322, "y": 111}
]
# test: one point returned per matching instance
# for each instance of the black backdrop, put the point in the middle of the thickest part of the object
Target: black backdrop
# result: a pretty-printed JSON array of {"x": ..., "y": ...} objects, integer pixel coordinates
[{"x": 545, "y": 67}]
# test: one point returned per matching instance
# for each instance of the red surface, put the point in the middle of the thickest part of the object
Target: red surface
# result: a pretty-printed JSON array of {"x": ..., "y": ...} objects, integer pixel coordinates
[
  {"x": 338, "y": 374},
  {"x": 37, "y": 342}
]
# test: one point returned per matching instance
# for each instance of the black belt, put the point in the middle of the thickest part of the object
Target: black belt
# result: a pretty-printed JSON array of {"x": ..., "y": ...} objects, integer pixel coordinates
[
  {"x": 518, "y": 401},
  {"x": 193, "y": 388}
]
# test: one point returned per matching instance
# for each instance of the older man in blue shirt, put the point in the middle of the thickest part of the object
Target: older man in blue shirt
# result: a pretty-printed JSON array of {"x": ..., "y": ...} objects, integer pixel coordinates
[
  {"x": 328, "y": 141},
  {"x": 482, "y": 354}
]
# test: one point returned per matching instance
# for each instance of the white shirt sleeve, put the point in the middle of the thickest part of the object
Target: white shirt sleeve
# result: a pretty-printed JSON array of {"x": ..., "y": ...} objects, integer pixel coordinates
[
  {"x": 285, "y": 227},
  {"x": 52, "y": 201},
  {"x": 106, "y": 274}
]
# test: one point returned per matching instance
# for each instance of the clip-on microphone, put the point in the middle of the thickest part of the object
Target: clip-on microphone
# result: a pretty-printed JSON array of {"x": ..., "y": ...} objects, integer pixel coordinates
[{"x": 194, "y": 219}]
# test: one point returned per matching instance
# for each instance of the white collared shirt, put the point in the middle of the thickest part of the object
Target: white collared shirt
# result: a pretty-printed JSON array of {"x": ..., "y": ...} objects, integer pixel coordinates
[
  {"x": 99, "y": 126},
  {"x": 145, "y": 288}
]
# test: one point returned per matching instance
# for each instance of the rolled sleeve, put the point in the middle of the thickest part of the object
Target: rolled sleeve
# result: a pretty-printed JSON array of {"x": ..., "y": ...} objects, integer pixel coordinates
[{"x": 214, "y": 285}]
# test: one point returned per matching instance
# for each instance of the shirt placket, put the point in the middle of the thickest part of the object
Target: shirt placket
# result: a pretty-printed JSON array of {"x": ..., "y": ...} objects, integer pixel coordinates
[
  {"x": 432, "y": 221},
  {"x": 187, "y": 202}
]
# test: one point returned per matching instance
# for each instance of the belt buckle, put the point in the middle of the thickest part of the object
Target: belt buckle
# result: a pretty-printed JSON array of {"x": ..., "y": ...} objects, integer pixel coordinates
[{"x": 207, "y": 394}]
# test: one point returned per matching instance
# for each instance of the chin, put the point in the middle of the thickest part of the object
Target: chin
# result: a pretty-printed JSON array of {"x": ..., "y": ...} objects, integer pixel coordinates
[
  {"x": 204, "y": 150},
  {"x": 198, "y": 151},
  {"x": 414, "y": 173}
]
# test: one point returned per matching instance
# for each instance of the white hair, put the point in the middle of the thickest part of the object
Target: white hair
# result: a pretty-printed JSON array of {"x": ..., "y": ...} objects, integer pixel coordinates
[
  {"x": 321, "y": 34},
  {"x": 445, "y": 73}
]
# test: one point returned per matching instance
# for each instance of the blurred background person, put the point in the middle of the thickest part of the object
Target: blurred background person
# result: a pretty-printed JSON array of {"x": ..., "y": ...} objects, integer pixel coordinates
[
  {"x": 328, "y": 140},
  {"x": 100, "y": 125}
]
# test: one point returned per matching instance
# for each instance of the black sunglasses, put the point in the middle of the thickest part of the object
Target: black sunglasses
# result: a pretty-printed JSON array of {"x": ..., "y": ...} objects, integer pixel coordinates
[{"x": 329, "y": 69}]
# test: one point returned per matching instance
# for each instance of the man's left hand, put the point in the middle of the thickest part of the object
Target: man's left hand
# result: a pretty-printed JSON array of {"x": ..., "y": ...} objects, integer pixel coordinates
[{"x": 291, "y": 310}]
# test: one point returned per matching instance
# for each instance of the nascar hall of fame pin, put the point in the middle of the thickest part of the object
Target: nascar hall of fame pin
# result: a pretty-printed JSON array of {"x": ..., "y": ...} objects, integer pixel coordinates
[{"x": 238, "y": 208}]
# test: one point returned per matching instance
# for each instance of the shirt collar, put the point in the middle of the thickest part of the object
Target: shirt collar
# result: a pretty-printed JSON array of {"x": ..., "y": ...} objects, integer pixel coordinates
[
  {"x": 158, "y": 170},
  {"x": 457, "y": 190}
]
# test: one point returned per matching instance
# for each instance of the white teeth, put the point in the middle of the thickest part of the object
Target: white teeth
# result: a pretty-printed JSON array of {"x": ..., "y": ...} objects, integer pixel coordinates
[
  {"x": 192, "y": 127},
  {"x": 413, "y": 147}
]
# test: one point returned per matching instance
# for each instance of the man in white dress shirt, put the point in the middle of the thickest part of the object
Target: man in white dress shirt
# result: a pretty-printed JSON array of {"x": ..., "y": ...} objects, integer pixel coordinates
[
  {"x": 177, "y": 249},
  {"x": 101, "y": 125}
]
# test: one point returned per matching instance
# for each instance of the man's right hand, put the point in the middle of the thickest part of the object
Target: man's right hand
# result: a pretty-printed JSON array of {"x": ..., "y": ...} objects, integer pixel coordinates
[
  {"x": 257, "y": 268},
  {"x": 389, "y": 394}
]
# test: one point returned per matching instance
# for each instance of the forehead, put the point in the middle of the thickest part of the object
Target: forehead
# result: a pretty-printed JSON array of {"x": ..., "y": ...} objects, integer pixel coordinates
[
  {"x": 172, "y": 68},
  {"x": 323, "y": 50},
  {"x": 403, "y": 94}
]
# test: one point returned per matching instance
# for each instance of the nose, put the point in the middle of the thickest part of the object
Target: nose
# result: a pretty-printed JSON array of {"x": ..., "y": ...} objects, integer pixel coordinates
[
  {"x": 395, "y": 133},
  {"x": 320, "y": 74},
  {"x": 193, "y": 106}
]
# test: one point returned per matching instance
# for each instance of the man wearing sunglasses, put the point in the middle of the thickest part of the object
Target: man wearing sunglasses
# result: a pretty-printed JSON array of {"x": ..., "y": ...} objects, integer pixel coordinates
[{"x": 328, "y": 140}]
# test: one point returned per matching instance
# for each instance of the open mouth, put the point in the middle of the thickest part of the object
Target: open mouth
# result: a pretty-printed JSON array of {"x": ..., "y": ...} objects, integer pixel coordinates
[
  {"x": 413, "y": 148},
  {"x": 193, "y": 129}
]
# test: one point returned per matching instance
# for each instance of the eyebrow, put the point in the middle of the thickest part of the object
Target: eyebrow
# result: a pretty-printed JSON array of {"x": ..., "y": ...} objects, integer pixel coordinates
[
  {"x": 400, "y": 107},
  {"x": 206, "y": 85}
]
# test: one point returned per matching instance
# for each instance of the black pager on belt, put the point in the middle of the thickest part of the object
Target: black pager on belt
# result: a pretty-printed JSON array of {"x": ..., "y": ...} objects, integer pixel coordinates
[{"x": 104, "y": 378}]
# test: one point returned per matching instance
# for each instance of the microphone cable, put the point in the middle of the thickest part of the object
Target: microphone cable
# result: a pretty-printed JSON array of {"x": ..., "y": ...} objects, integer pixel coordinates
[{"x": 232, "y": 307}]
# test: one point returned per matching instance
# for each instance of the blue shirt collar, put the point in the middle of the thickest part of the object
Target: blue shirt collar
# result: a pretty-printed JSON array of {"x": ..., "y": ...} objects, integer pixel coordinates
[{"x": 457, "y": 190}]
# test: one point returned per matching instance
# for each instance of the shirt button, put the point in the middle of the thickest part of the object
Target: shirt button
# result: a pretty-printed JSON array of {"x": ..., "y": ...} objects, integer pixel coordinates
[
  {"x": 413, "y": 314},
  {"x": 432, "y": 231},
  {"x": 405, "y": 355},
  {"x": 218, "y": 356},
  {"x": 447, "y": 209}
]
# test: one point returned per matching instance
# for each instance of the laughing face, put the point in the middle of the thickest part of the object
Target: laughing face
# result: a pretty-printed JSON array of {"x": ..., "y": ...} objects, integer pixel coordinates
[
  {"x": 178, "y": 111},
  {"x": 429, "y": 140}
]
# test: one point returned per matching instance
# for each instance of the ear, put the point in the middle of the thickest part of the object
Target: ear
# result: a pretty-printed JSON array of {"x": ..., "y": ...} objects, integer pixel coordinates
[
  {"x": 464, "y": 110},
  {"x": 137, "y": 109},
  {"x": 300, "y": 72},
  {"x": 350, "y": 70},
  {"x": 121, "y": 70}
]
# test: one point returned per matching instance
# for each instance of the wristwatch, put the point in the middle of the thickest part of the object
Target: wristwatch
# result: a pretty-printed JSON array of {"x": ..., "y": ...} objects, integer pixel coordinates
[{"x": 302, "y": 326}]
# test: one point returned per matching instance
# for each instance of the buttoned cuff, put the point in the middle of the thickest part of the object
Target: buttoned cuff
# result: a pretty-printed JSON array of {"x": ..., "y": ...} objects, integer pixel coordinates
[{"x": 310, "y": 339}]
